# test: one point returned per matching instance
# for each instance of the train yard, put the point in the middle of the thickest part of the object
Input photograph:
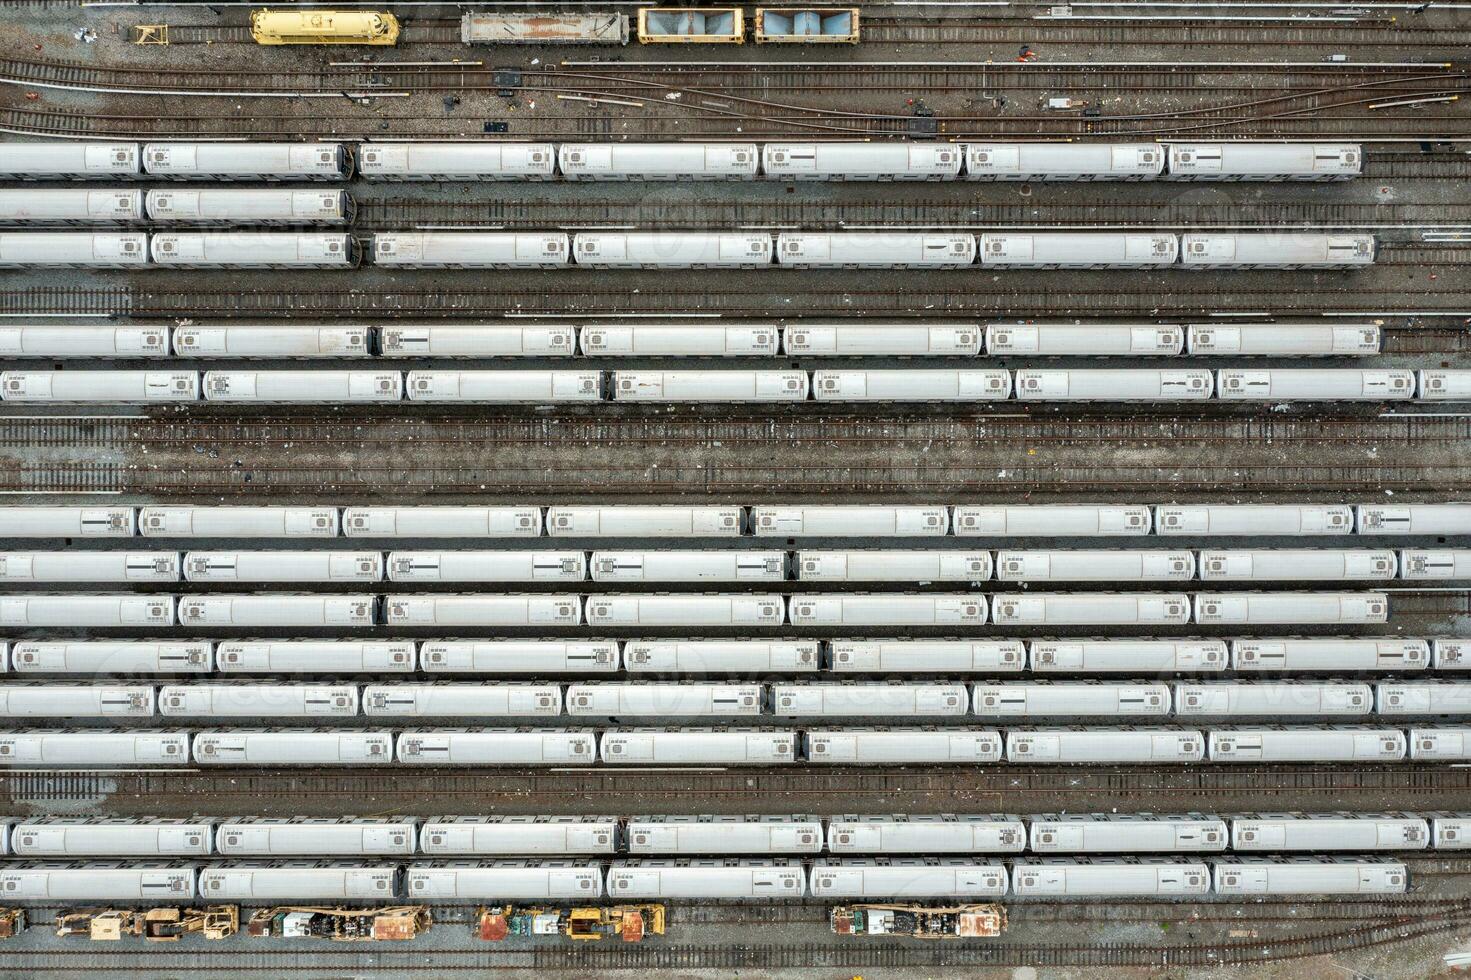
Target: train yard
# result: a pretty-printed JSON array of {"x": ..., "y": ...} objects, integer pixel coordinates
[{"x": 746, "y": 474}]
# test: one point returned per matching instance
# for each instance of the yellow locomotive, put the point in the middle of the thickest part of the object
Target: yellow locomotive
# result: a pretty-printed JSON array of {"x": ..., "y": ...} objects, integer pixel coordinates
[{"x": 324, "y": 27}]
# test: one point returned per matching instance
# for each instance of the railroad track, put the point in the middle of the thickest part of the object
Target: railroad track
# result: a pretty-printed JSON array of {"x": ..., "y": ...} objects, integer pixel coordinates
[
  {"x": 773, "y": 294},
  {"x": 1330, "y": 99},
  {"x": 669, "y": 124},
  {"x": 1008, "y": 788},
  {"x": 681, "y": 206},
  {"x": 740, "y": 426},
  {"x": 357, "y": 453},
  {"x": 1045, "y": 34}
]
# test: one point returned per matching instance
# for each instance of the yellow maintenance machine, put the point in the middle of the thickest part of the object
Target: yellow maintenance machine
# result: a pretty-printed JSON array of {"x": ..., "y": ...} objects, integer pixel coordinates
[
  {"x": 324, "y": 27},
  {"x": 631, "y": 923},
  {"x": 166, "y": 924}
]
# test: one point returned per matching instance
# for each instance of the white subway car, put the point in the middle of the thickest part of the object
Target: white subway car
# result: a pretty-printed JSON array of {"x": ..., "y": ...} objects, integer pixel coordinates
[
  {"x": 899, "y": 339},
  {"x": 525, "y": 880},
  {"x": 1265, "y": 699},
  {"x": 655, "y": 700},
  {"x": 1095, "y": 566},
  {"x": 94, "y": 747},
  {"x": 1437, "y": 519},
  {"x": 111, "y": 656},
  {"x": 1444, "y": 385},
  {"x": 247, "y": 161},
  {"x": 283, "y": 566},
  {"x": 672, "y": 250},
  {"x": 321, "y": 836},
  {"x": 1265, "y": 161},
  {"x": 53, "y": 700},
  {"x": 1090, "y": 609},
  {"x": 89, "y": 566},
  {"x": 902, "y": 746},
  {"x": 626, "y": 521},
  {"x": 1297, "y": 565},
  {"x": 253, "y": 700},
  {"x": 256, "y": 206},
  {"x": 1329, "y": 832},
  {"x": 68, "y": 160},
  {"x": 46, "y": 340},
  {"x": 1058, "y": 699},
  {"x": 1079, "y": 339},
  {"x": 1051, "y": 520},
  {"x": 679, "y": 340},
  {"x": 838, "y": 521},
  {"x": 938, "y": 833},
  {"x": 1109, "y": 656},
  {"x": 1244, "y": 520},
  {"x": 1328, "y": 655},
  {"x": 881, "y": 700},
  {"x": 457, "y": 161},
  {"x": 70, "y": 205},
  {"x": 709, "y": 386},
  {"x": 66, "y": 522},
  {"x": 1275, "y": 250},
  {"x": 720, "y": 656},
  {"x": 1104, "y": 833},
  {"x": 686, "y": 610},
  {"x": 167, "y": 882},
  {"x": 1113, "y": 384},
  {"x": 1278, "y": 743},
  {"x": 878, "y": 249},
  {"x": 105, "y": 836},
  {"x": 487, "y": 566},
  {"x": 1310, "y": 876},
  {"x": 517, "y": 835},
  {"x": 1420, "y": 564},
  {"x": 893, "y": 566},
  {"x": 1305, "y": 608},
  {"x": 888, "y": 609},
  {"x": 699, "y": 746},
  {"x": 302, "y": 880},
  {"x": 1105, "y": 745},
  {"x": 1284, "y": 339},
  {"x": 483, "y": 610},
  {"x": 724, "y": 834},
  {"x": 1434, "y": 744},
  {"x": 32, "y": 609},
  {"x": 1063, "y": 161},
  {"x": 314, "y": 656},
  {"x": 986, "y": 384},
  {"x": 689, "y": 566},
  {"x": 1316, "y": 384},
  {"x": 253, "y": 250},
  {"x": 861, "y": 161},
  {"x": 445, "y": 700},
  {"x": 1451, "y": 653},
  {"x": 276, "y": 610},
  {"x": 469, "y": 250},
  {"x": 307, "y": 747},
  {"x": 907, "y": 877},
  {"x": 519, "y": 656},
  {"x": 1109, "y": 877},
  {"x": 73, "y": 249},
  {"x": 482, "y": 340},
  {"x": 304, "y": 387},
  {"x": 496, "y": 747},
  {"x": 921, "y": 656},
  {"x": 266, "y": 340},
  {"x": 237, "y": 522},
  {"x": 658, "y": 161},
  {"x": 441, "y": 522},
  {"x": 1078, "y": 250},
  {"x": 715, "y": 878},
  {"x": 99, "y": 387},
  {"x": 1427, "y": 698}
]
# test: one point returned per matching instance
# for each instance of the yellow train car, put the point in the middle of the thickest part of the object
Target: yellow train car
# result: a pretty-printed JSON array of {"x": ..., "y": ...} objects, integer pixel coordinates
[
  {"x": 324, "y": 27},
  {"x": 691, "y": 25},
  {"x": 806, "y": 25}
]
